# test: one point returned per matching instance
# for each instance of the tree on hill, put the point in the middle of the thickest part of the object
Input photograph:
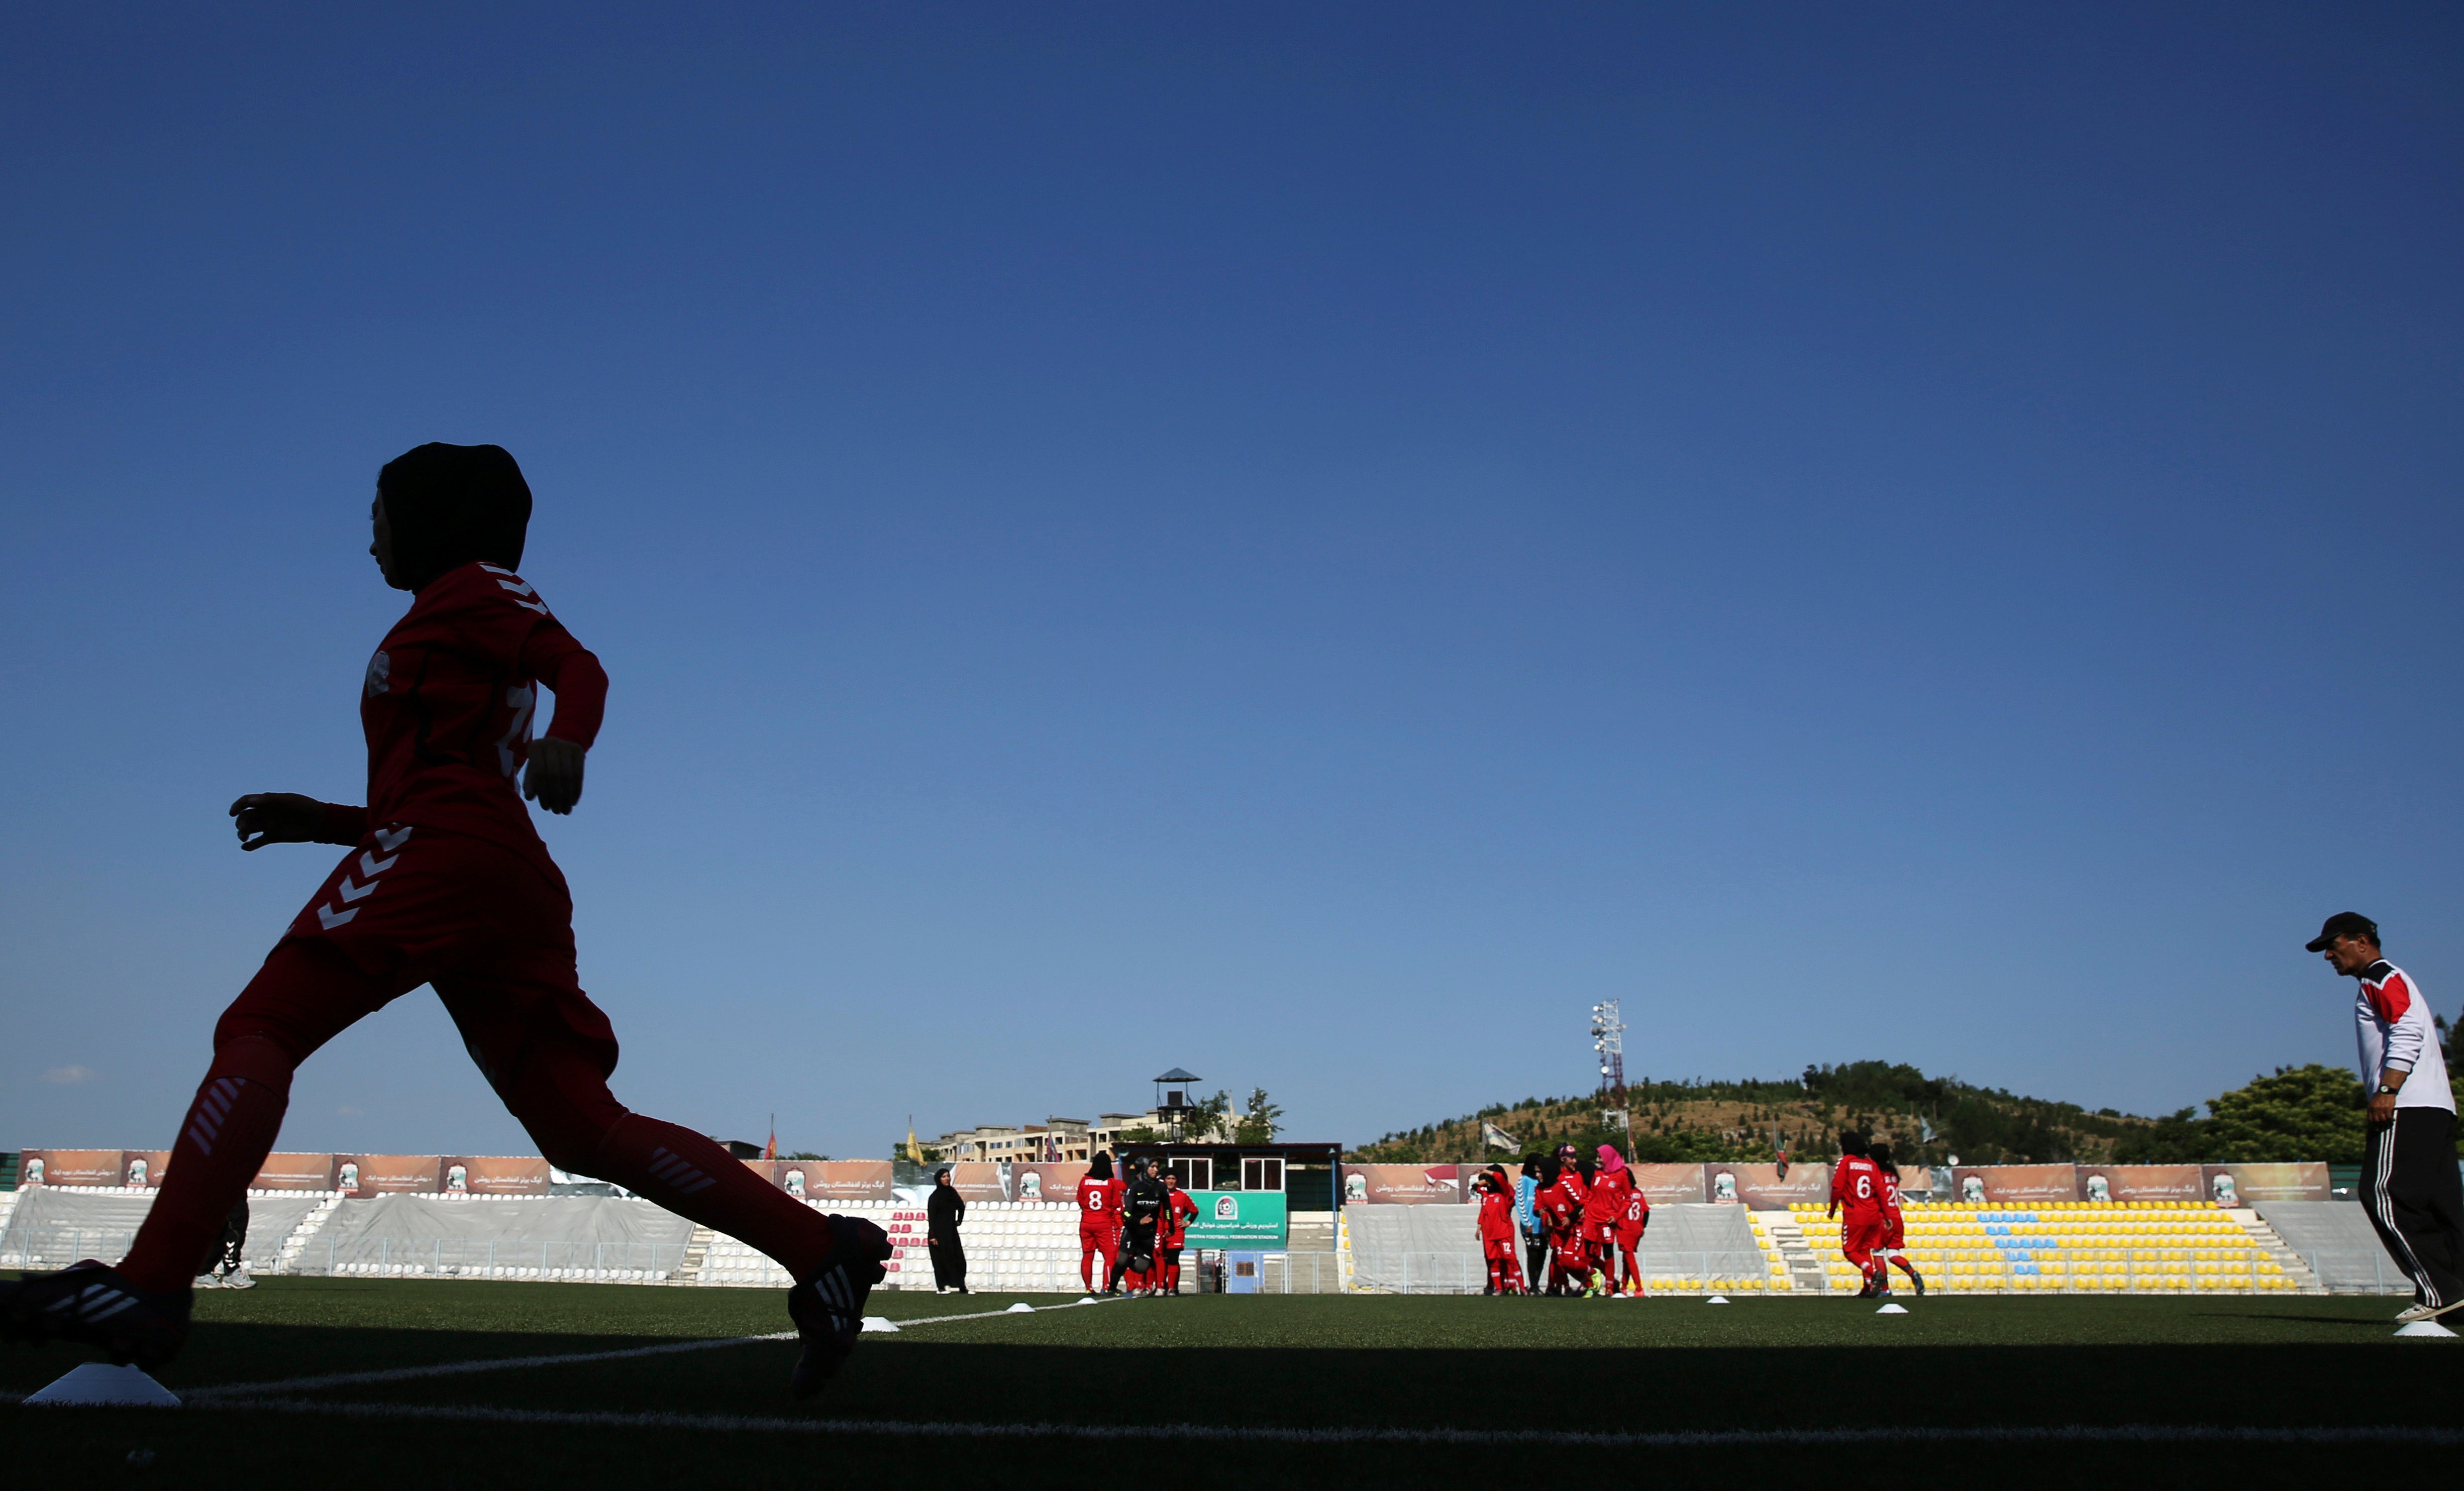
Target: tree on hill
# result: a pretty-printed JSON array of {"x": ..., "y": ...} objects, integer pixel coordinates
[
  {"x": 1927, "y": 1119},
  {"x": 2309, "y": 1112}
]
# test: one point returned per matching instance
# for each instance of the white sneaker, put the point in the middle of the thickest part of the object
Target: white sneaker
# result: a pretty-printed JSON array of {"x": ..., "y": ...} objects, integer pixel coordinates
[
  {"x": 207, "y": 1281},
  {"x": 238, "y": 1279}
]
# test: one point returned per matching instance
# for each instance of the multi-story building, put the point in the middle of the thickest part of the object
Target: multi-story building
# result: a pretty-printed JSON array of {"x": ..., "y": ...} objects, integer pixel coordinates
[{"x": 1056, "y": 1139}]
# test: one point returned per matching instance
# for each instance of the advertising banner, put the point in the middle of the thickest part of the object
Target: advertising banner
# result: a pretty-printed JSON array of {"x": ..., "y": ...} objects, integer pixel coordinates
[
  {"x": 374, "y": 1174},
  {"x": 142, "y": 1169},
  {"x": 979, "y": 1180},
  {"x": 1662, "y": 1185},
  {"x": 827, "y": 1180},
  {"x": 2239, "y": 1185},
  {"x": 2015, "y": 1185},
  {"x": 1237, "y": 1220},
  {"x": 2140, "y": 1183},
  {"x": 1403, "y": 1185},
  {"x": 1046, "y": 1183},
  {"x": 1761, "y": 1188},
  {"x": 295, "y": 1173},
  {"x": 494, "y": 1174},
  {"x": 70, "y": 1168}
]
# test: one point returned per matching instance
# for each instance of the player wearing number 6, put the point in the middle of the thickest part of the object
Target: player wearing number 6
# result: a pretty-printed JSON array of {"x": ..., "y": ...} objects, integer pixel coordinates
[
  {"x": 1857, "y": 1194},
  {"x": 445, "y": 883}
]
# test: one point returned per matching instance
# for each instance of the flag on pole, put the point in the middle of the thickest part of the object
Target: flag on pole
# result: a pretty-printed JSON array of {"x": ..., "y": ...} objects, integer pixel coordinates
[
  {"x": 770, "y": 1151},
  {"x": 1497, "y": 1138},
  {"x": 915, "y": 1151}
]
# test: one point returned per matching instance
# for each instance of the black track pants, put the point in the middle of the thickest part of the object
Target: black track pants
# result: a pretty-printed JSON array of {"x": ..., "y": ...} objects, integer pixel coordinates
[{"x": 2410, "y": 1189}]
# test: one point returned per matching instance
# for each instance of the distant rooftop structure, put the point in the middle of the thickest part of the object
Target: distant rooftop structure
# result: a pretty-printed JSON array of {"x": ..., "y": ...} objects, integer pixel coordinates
[{"x": 1176, "y": 1075}]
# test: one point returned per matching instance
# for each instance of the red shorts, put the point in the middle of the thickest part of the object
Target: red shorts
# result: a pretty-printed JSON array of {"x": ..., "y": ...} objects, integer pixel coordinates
[
  {"x": 1895, "y": 1230},
  {"x": 1629, "y": 1237},
  {"x": 1097, "y": 1238},
  {"x": 1496, "y": 1247},
  {"x": 490, "y": 929},
  {"x": 1858, "y": 1238}
]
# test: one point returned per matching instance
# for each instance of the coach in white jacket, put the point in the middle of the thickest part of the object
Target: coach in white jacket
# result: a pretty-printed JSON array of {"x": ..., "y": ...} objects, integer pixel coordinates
[{"x": 2409, "y": 1183}]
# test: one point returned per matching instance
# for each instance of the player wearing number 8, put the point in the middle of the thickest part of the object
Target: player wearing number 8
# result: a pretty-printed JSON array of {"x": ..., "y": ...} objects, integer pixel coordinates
[{"x": 1099, "y": 1223}]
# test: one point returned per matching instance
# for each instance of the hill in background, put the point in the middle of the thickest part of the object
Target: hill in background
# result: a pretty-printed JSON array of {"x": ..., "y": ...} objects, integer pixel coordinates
[{"x": 1927, "y": 1119}]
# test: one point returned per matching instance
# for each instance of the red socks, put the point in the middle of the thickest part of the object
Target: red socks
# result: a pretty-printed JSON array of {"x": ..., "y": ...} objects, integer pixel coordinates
[
  {"x": 230, "y": 1130},
  {"x": 694, "y": 1177}
]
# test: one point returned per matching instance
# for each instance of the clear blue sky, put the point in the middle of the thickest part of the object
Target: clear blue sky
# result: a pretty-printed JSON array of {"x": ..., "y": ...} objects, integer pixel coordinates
[{"x": 1308, "y": 544}]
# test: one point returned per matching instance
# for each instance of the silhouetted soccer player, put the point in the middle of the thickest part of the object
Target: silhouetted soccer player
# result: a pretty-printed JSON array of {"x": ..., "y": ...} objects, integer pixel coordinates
[{"x": 446, "y": 884}]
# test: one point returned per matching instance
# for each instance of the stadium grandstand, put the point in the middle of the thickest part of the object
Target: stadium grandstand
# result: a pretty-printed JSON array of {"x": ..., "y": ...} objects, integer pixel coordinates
[{"x": 1389, "y": 1237}]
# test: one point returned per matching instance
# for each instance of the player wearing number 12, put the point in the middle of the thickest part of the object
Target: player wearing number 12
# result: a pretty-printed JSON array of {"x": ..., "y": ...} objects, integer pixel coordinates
[{"x": 445, "y": 883}]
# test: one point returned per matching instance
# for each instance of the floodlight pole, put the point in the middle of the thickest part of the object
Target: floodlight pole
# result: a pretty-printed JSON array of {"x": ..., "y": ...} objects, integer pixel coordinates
[{"x": 1608, "y": 1043}]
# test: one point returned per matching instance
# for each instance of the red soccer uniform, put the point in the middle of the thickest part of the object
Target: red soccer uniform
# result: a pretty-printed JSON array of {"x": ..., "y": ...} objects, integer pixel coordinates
[
  {"x": 1857, "y": 1191},
  {"x": 1496, "y": 1222},
  {"x": 1604, "y": 1204},
  {"x": 1172, "y": 1228},
  {"x": 1637, "y": 1217},
  {"x": 447, "y": 707},
  {"x": 1099, "y": 1226},
  {"x": 1895, "y": 1233},
  {"x": 1562, "y": 1203},
  {"x": 1099, "y": 1204}
]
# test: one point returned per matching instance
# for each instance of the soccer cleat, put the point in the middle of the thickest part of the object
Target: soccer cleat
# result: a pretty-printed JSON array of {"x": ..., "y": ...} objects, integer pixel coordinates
[
  {"x": 92, "y": 1305},
  {"x": 2413, "y": 1312},
  {"x": 205, "y": 1282},
  {"x": 1918, "y": 1279},
  {"x": 828, "y": 1307},
  {"x": 238, "y": 1279}
]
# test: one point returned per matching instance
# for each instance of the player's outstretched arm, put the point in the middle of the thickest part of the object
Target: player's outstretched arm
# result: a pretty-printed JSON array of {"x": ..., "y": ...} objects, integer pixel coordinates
[{"x": 263, "y": 818}]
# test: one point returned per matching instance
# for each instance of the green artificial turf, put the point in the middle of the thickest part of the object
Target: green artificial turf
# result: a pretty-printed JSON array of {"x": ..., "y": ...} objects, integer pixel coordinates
[{"x": 1418, "y": 1362}]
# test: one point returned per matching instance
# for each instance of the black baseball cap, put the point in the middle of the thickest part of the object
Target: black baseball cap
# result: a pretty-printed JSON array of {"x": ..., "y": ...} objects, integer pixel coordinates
[{"x": 2343, "y": 924}]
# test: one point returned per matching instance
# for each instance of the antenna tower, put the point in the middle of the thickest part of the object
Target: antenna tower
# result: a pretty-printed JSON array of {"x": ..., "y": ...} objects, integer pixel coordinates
[{"x": 1608, "y": 1043}]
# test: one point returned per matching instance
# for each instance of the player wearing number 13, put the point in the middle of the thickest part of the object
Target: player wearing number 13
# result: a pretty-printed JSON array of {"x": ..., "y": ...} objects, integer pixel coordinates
[{"x": 446, "y": 884}]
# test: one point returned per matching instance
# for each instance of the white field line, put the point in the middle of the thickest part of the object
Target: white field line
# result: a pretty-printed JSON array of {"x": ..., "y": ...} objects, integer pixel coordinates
[
  {"x": 1662, "y": 1440},
  {"x": 244, "y": 1390}
]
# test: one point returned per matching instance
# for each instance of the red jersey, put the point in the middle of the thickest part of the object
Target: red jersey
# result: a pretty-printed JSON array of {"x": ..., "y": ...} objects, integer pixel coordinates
[
  {"x": 447, "y": 709},
  {"x": 1605, "y": 1203},
  {"x": 1562, "y": 1203},
  {"x": 1636, "y": 1218},
  {"x": 1099, "y": 1203},
  {"x": 1174, "y": 1225},
  {"x": 1857, "y": 1186},
  {"x": 1496, "y": 1214}
]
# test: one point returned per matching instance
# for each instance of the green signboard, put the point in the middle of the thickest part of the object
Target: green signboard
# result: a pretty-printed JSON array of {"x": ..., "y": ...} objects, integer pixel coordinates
[{"x": 1238, "y": 1219}]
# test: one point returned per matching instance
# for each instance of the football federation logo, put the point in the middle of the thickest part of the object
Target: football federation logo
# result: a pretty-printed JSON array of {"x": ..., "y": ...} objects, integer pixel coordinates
[
  {"x": 379, "y": 672},
  {"x": 1227, "y": 1208}
]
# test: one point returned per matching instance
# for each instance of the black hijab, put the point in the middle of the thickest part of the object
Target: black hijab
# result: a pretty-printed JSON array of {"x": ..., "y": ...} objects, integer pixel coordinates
[
  {"x": 448, "y": 505},
  {"x": 1102, "y": 1167}
]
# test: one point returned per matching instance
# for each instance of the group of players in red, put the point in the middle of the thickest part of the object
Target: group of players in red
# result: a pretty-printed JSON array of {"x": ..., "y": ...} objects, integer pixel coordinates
[
  {"x": 1865, "y": 1195},
  {"x": 1575, "y": 1220},
  {"x": 1131, "y": 1231}
]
